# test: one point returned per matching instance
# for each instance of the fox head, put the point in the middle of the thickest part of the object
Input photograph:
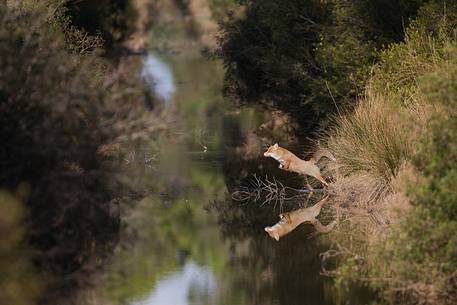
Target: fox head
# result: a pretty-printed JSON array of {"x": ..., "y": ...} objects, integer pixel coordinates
[
  {"x": 278, "y": 230},
  {"x": 271, "y": 150},
  {"x": 272, "y": 232}
]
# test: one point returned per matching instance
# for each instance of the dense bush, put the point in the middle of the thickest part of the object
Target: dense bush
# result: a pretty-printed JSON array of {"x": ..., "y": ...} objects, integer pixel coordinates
[
  {"x": 424, "y": 48},
  {"x": 86, "y": 25},
  {"x": 46, "y": 97},
  {"x": 383, "y": 129},
  {"x": 421, "y": 251},
  {"x": 111, "y": 20},
  {"x": 59, "y": 109},
  {"x": 403, "y": 134},
  {"x": 307, "y": 56},
  {"x": 437, "y": 155}
]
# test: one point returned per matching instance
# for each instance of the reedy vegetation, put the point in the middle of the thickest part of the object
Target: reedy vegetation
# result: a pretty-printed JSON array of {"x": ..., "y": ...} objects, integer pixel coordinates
[
  {"x": 396, "y": 187},
  {"x": 389, "y": 81}
]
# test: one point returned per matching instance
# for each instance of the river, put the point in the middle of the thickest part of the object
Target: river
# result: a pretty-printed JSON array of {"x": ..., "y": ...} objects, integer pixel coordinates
[
  {"x": 188, "y": 227},
  {"x": 188, "y": 241}
]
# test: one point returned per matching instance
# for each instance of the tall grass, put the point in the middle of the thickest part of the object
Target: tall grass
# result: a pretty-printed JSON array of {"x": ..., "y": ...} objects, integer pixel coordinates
[
  {"x": 395, "y": 176},
  {"x": 376, "y": 138},
  {"x": 382, "y": 131}
]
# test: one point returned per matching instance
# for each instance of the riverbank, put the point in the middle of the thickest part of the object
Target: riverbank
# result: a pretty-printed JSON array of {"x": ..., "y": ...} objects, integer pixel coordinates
[
  {"x": 395, "y": 175},
  {"x": 75, "y": 119},
  {"x": 382, "y": 94},
  {"x": 68, "y": 117}
]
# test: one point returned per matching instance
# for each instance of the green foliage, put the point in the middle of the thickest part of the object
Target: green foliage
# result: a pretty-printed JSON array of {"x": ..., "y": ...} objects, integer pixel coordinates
[
  {"x": 424, "y": 48},
  {"x": 422, "y": 248},
  {"x": 380, "y": 134},
  {"x": 437, "y": 157},
  {"x": 57, "y": 109},
  {"x": 408, "y": 115},
  {"x": 424, "y": 245},
  {"x": 306, "y": 56}
]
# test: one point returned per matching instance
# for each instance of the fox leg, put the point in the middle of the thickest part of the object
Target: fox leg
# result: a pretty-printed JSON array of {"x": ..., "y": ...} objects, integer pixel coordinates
[
  {"x": 316, "y": 173},
  {"x": 308, "y": 185},
  {"x": 284, "y": 165},
  {"x": 319, "y": 177}
]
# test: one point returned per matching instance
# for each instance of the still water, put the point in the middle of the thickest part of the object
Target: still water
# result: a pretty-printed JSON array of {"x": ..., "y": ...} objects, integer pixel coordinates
[
  {"x": 188, "y": 242},
  {"x": 159, "y": 77}
]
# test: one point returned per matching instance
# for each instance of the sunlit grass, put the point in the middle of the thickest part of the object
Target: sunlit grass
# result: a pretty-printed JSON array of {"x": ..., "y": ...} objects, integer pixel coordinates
[{"x": 376, "y": 138}]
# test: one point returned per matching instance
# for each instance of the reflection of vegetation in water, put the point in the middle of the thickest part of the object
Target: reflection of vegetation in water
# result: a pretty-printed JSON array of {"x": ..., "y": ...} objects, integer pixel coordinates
[
  {"x": 167, "y": 234},
  {"x": 170, "y": 227},
  {"x": 305, "y": 56},
  {"x": 173, "y": 20},
  {"x": 59, "y": 113},
  {"x": 19, "y": 284},
  {"x": 247, "y": 266},
  {"x": 270, "y": 272}
]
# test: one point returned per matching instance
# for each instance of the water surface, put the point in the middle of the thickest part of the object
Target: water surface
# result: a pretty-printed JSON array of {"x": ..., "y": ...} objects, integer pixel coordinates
[{"x": 188, "y": 242}]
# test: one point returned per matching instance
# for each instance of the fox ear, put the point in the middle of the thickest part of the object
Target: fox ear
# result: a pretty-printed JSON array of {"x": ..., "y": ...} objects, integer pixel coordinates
[
  {"x": 276, "y": 145},
  {"x": 276, "y": 236}
]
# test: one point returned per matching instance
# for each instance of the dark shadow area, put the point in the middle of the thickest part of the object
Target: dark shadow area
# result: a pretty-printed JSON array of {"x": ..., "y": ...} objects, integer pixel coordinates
[
  {"x": 63, "y": 123},
  {"x": 309, "y": 59}
]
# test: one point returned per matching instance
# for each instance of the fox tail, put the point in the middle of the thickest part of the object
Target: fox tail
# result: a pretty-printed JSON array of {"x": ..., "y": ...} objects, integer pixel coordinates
[{"x": 321, "y": 152}]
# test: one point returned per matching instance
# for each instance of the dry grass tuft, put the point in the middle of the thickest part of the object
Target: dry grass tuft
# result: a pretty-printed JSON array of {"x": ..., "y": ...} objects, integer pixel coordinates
[
  {"x": 364, "y": 202},
  {"x": 375, "y": 139}
]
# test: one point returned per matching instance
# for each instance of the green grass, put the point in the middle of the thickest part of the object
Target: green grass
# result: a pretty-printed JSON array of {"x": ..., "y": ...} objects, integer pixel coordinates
[{"x": 402, "y": 138}]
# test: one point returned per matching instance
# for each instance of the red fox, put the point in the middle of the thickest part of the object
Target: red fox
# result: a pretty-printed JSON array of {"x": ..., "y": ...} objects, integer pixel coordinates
[
  {"x": 290, "y": 162},
  {"x": 289, "y": 221}
]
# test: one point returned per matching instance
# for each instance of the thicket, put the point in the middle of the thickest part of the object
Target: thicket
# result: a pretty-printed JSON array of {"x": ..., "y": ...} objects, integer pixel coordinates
[
  {"x": 112, "y": 21},
  {"x": 395, "y": 183},
  {"x": 64, "y": 115},
  {"x": 389, "y": 68},
  {"x": 307, "y": 57}
]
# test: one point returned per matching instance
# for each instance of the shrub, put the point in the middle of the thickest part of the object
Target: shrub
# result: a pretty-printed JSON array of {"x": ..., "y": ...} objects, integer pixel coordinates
[
  {"x": 111, "y": 20},
  {"x": 383, "y": 130},
  {"x": 424, "y": 48},
  {"x": 306, "y": 56},
  {"x": 437, "y": 154},
  {"x": 57, "y": 109},
  {"x": 413, "y": 255}
]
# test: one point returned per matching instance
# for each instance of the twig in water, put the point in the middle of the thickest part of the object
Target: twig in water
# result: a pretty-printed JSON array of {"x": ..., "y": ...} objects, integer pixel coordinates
[{"x": 268, "y": 191}]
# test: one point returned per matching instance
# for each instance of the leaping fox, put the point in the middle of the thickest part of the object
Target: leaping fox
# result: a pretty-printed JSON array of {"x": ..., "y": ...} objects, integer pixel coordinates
[{"x": 290, "y": 162}]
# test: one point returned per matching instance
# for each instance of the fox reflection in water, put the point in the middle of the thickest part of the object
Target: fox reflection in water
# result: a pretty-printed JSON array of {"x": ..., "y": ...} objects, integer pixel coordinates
[{"x": 289, "y": 221}]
